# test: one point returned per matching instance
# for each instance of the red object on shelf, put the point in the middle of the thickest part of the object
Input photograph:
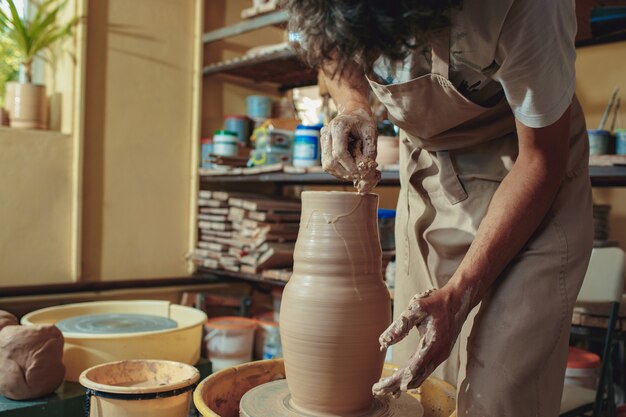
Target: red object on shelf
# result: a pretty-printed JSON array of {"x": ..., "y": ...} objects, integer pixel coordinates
[
  {"x": 206, "y": 140},
  {"x": 236, "y": 116},
  {"x": 580, "y": 359}
]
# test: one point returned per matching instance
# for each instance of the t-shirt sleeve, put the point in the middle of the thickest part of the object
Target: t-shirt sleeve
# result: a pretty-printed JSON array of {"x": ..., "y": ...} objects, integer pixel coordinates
[{"x": 536, "y": 56}]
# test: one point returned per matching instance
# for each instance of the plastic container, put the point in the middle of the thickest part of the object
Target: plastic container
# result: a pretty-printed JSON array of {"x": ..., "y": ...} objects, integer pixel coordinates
[
  {"x": 582, "y": 368},
  {"x": 138, "y": 388},
  {"x": 240, "y": 125},
  {"x": 388, "y": 150},
  {"x": 225, "y": 143},
  {"x": 271, "y": 138},
  {"x": 277, "y": 295},
  {"x": 259, "y": 107},
  {"x": 206, "y": 150},
  {"x": 270, "y": 156},
  {"x": 599, "y": 141},
  {"x": 82, "y": 351},
  {"x": 306, "y": 144},
  {"x": 386, "y": 229},
  {"x": 267, "y": 343},
  {"x": 229, "y": 341},
  {"x": 220, "y": 394},
  {"x": 620, "y": 141}
]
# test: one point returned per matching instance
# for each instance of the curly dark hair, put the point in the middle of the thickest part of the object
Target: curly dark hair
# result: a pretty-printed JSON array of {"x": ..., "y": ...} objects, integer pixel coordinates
[{"x": 362, "y": 31}]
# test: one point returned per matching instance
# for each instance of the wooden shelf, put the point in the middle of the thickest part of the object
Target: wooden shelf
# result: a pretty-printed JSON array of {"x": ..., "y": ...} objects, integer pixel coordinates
[
  {"x": 220, "y": 275},
  {"x": 280, "y": 66},
  {"x": 312, "y": 178},
  {"x": 608, "y": 176},
  {"x": 601, "y": 176},
  {"x": 269, "y": 19}
]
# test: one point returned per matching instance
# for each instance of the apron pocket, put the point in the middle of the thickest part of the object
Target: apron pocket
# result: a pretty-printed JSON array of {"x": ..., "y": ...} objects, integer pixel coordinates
[{"x": 433, "y": 174}]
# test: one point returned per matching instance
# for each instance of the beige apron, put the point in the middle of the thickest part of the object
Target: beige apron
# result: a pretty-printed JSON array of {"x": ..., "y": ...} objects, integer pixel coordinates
[{"x": 454, "y": 154}]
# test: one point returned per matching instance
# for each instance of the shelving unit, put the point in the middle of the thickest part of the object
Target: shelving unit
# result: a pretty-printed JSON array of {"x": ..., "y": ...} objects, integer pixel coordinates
[
  {"x": 279, "y": 17},
  {"x": 389, "y": 178},
  {"x": 220, "y": 274},
  {"x": 601, "y": 176},
  {"x": 281, "y": 66}
]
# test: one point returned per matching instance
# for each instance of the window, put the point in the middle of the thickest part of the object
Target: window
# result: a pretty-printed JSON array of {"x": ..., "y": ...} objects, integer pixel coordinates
[{"x": 9, "y": 63}]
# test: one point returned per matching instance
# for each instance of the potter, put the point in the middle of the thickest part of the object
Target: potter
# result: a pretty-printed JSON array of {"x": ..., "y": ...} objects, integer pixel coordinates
[
  {"x": 30, "y": 359},
  {"x": 494, "y": 215}
]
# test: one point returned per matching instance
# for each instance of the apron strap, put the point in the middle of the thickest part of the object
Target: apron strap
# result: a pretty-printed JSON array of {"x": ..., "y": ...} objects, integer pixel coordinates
[{"x": 440, "y": 53}]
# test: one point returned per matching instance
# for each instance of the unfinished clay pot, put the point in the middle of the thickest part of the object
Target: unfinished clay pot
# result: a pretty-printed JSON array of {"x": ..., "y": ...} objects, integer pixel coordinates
[{"x": 335, "y": 305}]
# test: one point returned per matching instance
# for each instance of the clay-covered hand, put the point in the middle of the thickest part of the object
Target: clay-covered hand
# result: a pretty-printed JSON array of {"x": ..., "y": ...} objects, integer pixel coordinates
[
  {"x": 438, "y": 315},
  {"x": 349, "y": 148}
]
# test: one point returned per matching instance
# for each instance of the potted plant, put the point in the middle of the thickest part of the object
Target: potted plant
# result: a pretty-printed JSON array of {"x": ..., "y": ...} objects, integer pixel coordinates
[{"x": 30, "y": 37}]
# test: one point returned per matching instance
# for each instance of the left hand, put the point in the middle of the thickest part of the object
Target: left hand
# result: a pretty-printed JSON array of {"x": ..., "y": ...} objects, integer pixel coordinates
[{"x": 438, "y": 315}]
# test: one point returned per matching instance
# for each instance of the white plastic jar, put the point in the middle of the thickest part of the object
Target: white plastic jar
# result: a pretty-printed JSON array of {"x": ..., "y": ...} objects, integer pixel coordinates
[
  {"x": 225, "y": 143},
  {"x": 306, "y": 146}
]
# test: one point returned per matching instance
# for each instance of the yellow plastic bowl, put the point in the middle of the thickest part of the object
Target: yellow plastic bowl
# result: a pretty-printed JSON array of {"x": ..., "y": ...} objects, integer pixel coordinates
[
  {"x": 219, "y": 394},
  {"x": 83, "y": 351}
]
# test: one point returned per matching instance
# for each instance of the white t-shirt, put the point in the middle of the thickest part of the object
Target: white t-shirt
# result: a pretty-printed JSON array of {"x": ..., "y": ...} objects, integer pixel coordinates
[{"x": 521, "y": 48}]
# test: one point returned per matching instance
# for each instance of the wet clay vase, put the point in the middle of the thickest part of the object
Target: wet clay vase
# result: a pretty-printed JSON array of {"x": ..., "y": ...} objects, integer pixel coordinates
[{"x": 335, "y": 305}]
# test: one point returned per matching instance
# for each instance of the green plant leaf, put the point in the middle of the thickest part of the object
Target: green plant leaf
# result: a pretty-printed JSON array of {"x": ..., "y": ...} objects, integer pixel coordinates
[
  {"x": 43, "y": 22},
  {"x": 18, "y": 33},
  {"x": 32, "y": 36},
  {"x": 4, "y": 20}
]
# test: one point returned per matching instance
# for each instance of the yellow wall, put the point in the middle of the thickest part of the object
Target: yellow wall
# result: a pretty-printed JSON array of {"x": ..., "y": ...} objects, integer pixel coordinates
[
  {"x": 35, "y": 207},
  {"x": 139, "y": 146},
  {"x": 599, "y": 70}
]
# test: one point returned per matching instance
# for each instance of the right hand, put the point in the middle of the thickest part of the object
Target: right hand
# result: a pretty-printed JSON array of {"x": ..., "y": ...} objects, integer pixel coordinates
[{"x": 349, "y": 148}]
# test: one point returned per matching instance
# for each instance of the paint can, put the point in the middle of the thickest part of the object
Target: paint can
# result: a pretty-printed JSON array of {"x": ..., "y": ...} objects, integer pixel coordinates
[
  {"x": 229, "y": 340},
  {"x": 239, "y": 124},
  {"x": 386, "y": 229},
  {"x": 620, "y": 141},
  {"x": 582, "y": 368},
  {"x": 206, "y": 150},
  {"x": 306, "y": 146},
  {"x": 599, "y": 141},
  {"x": 267, "y": 343},
  {"x": 225, "y": 143},
  {"x": 270, "y": 156},
  {"x": 388, "y": 150},
  {"x": 135, "y": 388},
  {"x": 259, "y": 107},
  {"x": 273, "y": 138}
]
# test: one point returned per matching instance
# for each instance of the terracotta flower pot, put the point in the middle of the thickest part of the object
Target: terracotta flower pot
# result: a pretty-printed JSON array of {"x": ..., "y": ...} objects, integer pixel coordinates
[
  {"x": 4, "y": 117},
  {"x": 27, "y": 105},
  {"x": 335, "y": 305}
]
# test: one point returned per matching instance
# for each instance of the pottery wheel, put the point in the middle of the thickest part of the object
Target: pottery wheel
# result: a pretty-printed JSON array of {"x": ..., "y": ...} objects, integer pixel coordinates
[
  {"x": 115, "y": 323},
  {"x": 274, "y": 400}
]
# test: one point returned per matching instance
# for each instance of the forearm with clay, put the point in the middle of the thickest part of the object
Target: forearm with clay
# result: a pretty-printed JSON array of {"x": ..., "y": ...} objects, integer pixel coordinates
[
  {"x": 349, "y": 140},
  {"x": 516, "y": 210}
]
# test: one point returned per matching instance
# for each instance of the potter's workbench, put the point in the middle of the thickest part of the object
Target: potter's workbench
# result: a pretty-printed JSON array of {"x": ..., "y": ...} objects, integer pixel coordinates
[{"x": 67, "y": 401}]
